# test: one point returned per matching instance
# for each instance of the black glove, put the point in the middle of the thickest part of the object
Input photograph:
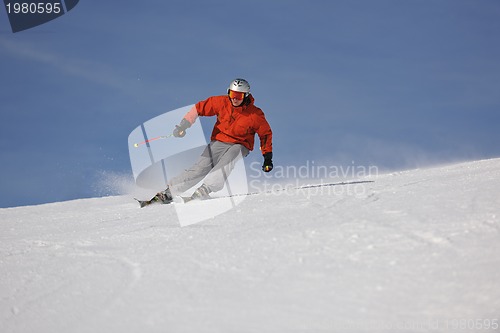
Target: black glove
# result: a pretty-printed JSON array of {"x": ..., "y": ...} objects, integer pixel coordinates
[
  {"x": 268, "y": 162},
  {"x": 180, "y": 130}
]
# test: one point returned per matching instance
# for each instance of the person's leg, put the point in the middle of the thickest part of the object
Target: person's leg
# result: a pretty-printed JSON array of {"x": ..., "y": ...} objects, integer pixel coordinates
[
  {"x": 194, "y": 174},
  {"x": 225, "y": 162}
]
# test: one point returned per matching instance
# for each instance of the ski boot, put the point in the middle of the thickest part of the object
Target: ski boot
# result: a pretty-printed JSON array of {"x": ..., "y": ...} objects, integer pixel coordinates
[
  {"x": 164, "y": 196},
  {"x": 202, "y": 193}
]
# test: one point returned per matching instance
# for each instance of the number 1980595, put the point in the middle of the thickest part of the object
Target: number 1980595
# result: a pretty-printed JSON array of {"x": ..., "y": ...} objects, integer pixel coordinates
[{"x": 33, "y": 8}]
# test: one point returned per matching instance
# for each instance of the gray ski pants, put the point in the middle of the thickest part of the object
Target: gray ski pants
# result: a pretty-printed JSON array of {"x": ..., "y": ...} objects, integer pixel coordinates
[{"x": 215, "y": 164}]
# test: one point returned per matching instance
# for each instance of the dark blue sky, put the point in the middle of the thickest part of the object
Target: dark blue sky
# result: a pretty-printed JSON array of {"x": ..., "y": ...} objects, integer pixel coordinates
[{"x": 397, "y": 84}]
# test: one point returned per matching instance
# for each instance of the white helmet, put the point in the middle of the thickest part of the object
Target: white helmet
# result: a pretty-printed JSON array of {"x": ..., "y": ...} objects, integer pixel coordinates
[{"x": 240, "y": 85}]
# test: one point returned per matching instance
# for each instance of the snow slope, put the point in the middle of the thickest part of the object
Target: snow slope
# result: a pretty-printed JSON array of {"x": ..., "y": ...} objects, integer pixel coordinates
[{"x": 413, "y": 251}]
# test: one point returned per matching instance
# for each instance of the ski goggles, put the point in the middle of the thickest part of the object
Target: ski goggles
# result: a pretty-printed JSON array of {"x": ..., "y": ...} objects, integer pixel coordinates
[{"x": 236, "y": 95}]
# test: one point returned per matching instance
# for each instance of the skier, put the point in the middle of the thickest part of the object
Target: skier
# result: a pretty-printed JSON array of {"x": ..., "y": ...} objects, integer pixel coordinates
[{"x": 238, "y": 120}]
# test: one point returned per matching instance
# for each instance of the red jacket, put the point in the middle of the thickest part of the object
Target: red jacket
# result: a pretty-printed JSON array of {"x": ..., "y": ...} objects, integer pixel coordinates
[{"x": 235, "y": 124}]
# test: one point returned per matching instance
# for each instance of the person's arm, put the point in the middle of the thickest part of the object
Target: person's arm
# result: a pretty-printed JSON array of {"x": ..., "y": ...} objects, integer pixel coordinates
[{"x": 266, "y": 143}]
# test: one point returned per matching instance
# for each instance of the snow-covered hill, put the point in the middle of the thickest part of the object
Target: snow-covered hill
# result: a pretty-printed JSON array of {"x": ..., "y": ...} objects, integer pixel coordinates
[{"x": 413, "y": 251}]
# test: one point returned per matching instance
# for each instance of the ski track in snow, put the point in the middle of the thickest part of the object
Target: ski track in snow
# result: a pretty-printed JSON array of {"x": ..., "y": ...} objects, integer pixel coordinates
[{"x": 410, "y": 251}]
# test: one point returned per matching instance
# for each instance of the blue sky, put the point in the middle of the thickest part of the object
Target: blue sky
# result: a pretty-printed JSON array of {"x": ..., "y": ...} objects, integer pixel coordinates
[{"x": 397, "y": 84}]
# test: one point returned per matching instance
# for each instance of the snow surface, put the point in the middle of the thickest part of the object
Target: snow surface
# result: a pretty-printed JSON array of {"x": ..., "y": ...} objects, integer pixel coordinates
[{"x": 412, "y": 251}]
